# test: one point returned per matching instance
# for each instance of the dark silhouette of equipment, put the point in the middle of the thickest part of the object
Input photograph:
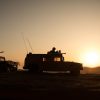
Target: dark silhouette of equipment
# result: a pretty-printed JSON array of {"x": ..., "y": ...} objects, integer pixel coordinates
[
  {"x": 7, "y": 65},
  {"x": 52, "y": 61}
]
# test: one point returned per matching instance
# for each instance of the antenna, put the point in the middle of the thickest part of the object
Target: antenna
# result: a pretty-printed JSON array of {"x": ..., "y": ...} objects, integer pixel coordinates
[
  {"x": 24, "y": 42},
  {"x": 30, "y": 45}
]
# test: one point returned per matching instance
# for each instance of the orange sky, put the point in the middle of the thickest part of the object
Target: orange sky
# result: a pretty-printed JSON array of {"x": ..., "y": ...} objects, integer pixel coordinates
[{"x": 70, "y": 25}]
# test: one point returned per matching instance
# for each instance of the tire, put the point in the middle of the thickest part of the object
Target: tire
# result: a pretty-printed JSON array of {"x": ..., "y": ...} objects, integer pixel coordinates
[
  {"x": 8, "y": 69},
  {"x": 75, "y": 72}
]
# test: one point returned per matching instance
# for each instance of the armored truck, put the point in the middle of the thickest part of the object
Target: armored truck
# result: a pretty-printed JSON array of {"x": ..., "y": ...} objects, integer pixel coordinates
[
  {"x": 7, "y": 65},
  {"x": 52, "y": 61}
]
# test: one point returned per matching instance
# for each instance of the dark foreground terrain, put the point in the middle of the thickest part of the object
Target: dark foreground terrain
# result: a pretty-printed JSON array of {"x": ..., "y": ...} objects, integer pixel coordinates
[{"x": 47, "y": 86}]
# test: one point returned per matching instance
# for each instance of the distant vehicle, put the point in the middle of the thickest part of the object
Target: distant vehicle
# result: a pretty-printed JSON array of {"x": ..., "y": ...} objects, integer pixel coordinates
[
  {"x": 7, "y": 66},
  {"x": 52, "y": 61}
]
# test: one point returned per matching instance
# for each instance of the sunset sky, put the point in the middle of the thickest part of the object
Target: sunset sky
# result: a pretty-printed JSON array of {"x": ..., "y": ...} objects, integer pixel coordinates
[{"x": 70, "y": 25}]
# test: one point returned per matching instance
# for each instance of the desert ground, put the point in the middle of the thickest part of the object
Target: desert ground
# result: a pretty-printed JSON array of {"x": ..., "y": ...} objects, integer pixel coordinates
[{"x": 50, "y": 86}]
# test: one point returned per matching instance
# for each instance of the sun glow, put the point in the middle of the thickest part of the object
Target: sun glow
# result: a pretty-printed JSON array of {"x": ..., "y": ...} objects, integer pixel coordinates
[{"x": 91, "y": 59}]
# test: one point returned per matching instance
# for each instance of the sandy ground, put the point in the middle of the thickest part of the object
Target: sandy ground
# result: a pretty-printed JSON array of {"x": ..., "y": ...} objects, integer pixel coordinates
[{"x": 28, "y": 86}]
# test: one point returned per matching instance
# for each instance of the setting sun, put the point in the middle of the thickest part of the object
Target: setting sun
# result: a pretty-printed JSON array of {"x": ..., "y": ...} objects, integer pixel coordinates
[{"x": 91, "y": 59}]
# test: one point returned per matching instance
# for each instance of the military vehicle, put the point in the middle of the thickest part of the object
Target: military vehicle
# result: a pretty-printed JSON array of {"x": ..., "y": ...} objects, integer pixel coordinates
[
  {"x": 7, "y": 66},
  {"x": 52, "y": 61}
]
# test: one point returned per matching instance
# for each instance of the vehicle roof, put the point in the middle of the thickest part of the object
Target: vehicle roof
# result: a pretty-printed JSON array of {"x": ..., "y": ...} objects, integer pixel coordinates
[{"x": 44, "y": 55}]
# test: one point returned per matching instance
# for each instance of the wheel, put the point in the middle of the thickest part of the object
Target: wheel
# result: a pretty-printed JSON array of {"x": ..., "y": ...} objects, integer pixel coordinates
[
  {"x": 75, "y": 72},
  {"x": 8, "y": 69}
]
